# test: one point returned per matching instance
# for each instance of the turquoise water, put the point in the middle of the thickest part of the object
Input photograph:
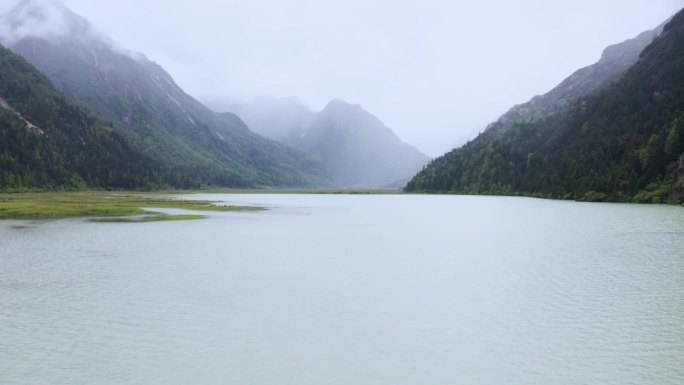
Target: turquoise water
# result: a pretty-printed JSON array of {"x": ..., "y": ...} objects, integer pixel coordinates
[{"x": 340, "y": 289}]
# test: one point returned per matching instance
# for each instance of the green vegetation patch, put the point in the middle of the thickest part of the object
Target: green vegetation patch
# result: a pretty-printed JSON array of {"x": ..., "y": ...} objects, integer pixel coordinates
[
  {"x": 148, "y": 218},
  {"x": 105, "y": 205}
]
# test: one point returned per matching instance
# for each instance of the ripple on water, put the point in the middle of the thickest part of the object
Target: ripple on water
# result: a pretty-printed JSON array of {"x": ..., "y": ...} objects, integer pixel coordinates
[{"x": 350, "y": 289}]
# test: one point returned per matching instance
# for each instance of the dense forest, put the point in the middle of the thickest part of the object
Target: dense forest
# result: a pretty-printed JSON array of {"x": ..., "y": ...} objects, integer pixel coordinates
[
  {"x": 621, "y": 143},
  {"x": 48, "y": 142}
]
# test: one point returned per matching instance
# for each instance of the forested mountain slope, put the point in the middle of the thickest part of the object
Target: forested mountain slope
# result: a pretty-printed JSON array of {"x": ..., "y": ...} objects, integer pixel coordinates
[
  {"x": 48, "y": 142},
  {"x": 614, "y": 62},
  {"x": 621, "y": 143},
  {"x": 137, "y": 95}
]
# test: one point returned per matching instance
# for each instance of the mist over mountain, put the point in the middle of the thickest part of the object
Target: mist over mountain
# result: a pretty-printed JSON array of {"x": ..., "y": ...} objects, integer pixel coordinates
[
  {"x": 48, "y": 142},
  {"x": 358, "y": 149},
  {"x": 281, "y": 119},
  {"x": 45, "y": 19},
  {"x": 136, "y": 94},
  {"x": 622, "y": 141},
  {"x": 355, "y": 147}
]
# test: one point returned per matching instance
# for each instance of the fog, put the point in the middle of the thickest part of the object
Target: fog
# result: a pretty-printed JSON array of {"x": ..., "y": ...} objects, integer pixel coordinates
[
  {"x": 34, "y": 24},
  {"x": 434, "y": 71}
]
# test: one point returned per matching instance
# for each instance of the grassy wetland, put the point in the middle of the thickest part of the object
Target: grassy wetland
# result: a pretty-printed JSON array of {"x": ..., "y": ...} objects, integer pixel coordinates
[{"x": 105, "y": 206}]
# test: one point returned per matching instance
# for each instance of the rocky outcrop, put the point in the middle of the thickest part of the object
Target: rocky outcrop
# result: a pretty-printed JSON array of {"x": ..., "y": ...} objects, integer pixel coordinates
[{"x": 4, "y": 104}]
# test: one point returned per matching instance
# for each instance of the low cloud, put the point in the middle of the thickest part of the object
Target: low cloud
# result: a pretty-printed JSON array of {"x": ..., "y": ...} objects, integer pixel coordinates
[
  {"x": 50, "y": 20},
  {"x": 39, "y": 18}
]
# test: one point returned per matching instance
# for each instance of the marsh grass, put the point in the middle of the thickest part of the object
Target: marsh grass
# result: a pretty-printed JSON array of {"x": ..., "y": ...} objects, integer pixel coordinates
[
  {"x": 107, "y": 205},
  {"x": 148, "y": 218}
]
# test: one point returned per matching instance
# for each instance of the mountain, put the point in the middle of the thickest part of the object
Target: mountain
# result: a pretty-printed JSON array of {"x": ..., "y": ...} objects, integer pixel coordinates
[
  {"x": 137, "y": 95},
  {"x": 620, "y": 142},
  {"x": 614, "y": 63},
  {"x": 355, "y": 147},
  {"x": 48, "y": 142},
  {"x": 281, "y": 119},
  {"x": 358, "y": 149}
]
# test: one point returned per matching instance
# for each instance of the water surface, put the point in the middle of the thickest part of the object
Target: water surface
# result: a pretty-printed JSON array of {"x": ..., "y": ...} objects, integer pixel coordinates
[{"x": 339, "y": 289}]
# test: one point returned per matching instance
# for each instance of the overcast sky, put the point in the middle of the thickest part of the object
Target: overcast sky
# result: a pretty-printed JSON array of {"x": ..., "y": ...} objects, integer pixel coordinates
[{"x": 432, "y": 70}]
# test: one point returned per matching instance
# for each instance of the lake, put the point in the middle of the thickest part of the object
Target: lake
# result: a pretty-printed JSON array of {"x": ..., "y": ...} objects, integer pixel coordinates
[{"x": 350, "y": 290}]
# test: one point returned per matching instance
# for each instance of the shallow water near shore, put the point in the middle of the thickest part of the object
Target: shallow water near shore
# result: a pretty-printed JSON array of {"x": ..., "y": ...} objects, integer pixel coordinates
[{"x": 349, "y": 289}]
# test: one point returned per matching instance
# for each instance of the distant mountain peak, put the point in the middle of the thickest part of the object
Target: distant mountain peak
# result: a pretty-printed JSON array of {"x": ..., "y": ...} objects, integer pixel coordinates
[
  {"x": 356, "y": 148},
  {"x": 342, "y": 104},
  {"x": 352, "y": 114}
]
